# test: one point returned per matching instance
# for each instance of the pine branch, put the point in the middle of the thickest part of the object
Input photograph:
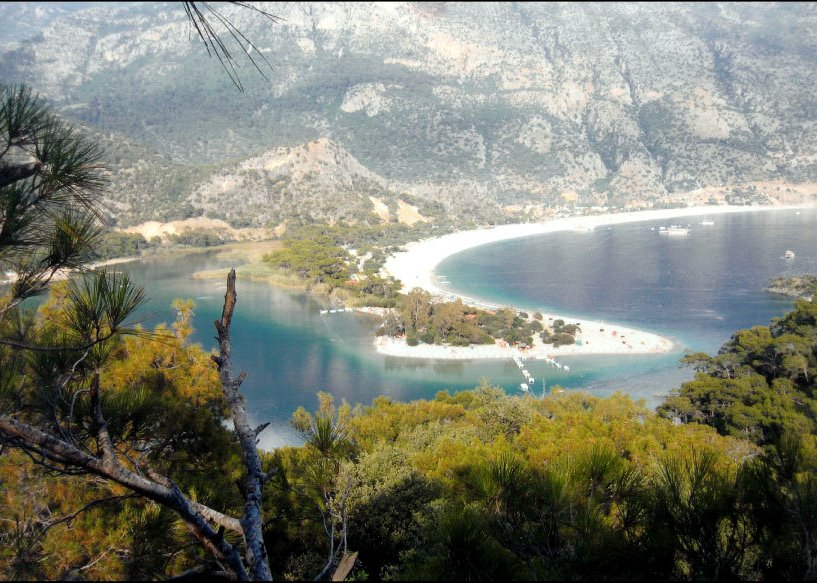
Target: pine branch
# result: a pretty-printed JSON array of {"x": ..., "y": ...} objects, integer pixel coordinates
[
  {"x": 193, "y": 514},
  {"x": 215, "y": 46}
]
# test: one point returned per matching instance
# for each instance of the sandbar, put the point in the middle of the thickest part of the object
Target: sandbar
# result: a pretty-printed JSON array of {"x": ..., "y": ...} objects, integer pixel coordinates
[{"x": 414, "y": 268}]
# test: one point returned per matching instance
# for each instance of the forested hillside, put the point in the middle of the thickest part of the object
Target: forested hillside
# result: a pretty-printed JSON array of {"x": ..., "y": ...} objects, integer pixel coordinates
[{"x": 490, "y": 106}]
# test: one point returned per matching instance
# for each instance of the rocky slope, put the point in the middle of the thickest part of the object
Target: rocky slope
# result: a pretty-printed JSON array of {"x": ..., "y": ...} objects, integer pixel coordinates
[
  {"x": 469, "y": 105},
  {"x": 303, "y": 182}
]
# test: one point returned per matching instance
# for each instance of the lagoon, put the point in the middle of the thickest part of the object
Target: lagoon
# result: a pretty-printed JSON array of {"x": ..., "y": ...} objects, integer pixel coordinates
[{"x": 696, "y": 289}]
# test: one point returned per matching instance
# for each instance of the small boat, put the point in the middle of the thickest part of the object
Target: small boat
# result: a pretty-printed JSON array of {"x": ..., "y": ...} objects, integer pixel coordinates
[
  {"x": 789, "y": 254},
  {"x": 673, "y": 230},
  {"x": 524, "y": 387},
  {"x": 707, "y": 222}
]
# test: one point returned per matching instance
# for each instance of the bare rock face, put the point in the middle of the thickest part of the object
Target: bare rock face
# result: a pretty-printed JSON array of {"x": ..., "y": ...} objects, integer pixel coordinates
[{"x": 468, "y": 106}]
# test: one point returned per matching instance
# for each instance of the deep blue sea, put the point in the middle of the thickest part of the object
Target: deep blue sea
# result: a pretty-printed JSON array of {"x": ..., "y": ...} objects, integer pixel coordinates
[{"x": 697, "y": 289}]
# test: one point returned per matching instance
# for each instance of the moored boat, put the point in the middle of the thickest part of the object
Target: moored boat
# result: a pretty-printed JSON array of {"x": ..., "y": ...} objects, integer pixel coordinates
[{"x": 674, "y": 230}]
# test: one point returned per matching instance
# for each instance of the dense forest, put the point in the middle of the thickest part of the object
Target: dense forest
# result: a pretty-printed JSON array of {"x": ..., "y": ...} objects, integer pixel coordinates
[{"x": 475, "y": 485}]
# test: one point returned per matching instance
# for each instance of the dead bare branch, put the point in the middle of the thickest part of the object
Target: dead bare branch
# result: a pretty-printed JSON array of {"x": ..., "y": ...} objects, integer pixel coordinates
[{"x": 252, "y": 520}]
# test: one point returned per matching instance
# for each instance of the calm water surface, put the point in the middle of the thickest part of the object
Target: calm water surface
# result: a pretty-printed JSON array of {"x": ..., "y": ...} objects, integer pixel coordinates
[{"x": 696, "y": 289}]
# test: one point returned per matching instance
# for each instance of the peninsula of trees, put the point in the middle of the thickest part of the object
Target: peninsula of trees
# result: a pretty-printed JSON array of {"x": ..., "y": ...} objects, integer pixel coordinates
[{"x": 795, "y": 286}]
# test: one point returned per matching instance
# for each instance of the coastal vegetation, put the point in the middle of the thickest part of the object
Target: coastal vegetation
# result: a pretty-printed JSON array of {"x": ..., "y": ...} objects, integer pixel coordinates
[
  {"x": 796, "y": 286},
  {"x": 476, "y": 484},
  {"x": 761, "y": 385},
  {"x": 342, "y": 263},
  {"x": 560, "y": 334},
  {"x": 421, "y": 318},
  {"x": 115, "y": 244}
]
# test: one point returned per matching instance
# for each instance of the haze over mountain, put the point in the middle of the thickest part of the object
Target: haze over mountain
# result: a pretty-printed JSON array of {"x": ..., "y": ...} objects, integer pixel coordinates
[{"x": 480, "y": 108}]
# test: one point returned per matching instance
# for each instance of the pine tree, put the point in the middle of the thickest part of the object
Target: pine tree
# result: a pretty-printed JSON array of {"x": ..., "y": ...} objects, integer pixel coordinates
[{"x": 54, "y": 404}]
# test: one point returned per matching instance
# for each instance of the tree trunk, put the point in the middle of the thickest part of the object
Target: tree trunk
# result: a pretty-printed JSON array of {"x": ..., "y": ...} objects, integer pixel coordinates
[{"x": 253, "y": 519}]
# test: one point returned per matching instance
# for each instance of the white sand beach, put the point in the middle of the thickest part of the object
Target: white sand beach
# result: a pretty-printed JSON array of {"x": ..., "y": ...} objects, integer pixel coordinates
[
  {"x": 415, "y": 267},
  {"x": 60, "y": 274}
]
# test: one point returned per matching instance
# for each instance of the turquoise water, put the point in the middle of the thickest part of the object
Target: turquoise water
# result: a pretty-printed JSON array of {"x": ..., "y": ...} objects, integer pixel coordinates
[
  {"x": 696, "y": 289},
  {"x": 290, "y": 351}
]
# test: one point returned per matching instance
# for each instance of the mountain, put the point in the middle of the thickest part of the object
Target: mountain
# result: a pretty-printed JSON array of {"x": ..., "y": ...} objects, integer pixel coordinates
[
  {"x": 304, "y": 182},
  {"x": 464, "y": 106}
]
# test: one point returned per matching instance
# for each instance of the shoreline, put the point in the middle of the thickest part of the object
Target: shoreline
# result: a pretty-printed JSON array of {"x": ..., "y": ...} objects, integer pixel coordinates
[
  {"x": 415, "y": 267},
  {"x": 62, "y": 274}
]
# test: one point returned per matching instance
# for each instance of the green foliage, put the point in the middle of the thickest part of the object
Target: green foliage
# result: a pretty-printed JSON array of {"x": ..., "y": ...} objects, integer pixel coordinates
[
  {"x": 798, "y": 286},
  {"x": 317, "y": 261},
  {"x": 387, "y": 506},
  {"x": 478, "y": 485},
  {"x": 163, "y": 405},
  {"x": 512, "y": 328},
  {"x": 459, "y": 547},
  {"x": 761, "y": 387},
  {"x": 199, "y": 237},
  {"x": 560, "y": 334},
  {"x": 50, "y": 189},
  {"x": 118, "y": 244},
  {"x": 454, "y": 323},
  {"x": 761, "y": 384}
]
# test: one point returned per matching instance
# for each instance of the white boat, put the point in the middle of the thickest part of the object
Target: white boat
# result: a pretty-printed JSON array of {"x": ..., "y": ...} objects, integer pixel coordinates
[
  {"x": 524, "y": 387},
  {"x": 674, "y": 230},
  {"x": 707, "y": 222},
  {"x": 789, "y": 254}
]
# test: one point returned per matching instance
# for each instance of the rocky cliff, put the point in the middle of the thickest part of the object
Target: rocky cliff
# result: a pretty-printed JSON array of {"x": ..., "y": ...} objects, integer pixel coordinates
[{"x": 471, "y": 106}]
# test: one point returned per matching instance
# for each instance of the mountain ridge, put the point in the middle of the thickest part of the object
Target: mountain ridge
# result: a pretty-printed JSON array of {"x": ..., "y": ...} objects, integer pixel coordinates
[{"x": 483, "y": 107}]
